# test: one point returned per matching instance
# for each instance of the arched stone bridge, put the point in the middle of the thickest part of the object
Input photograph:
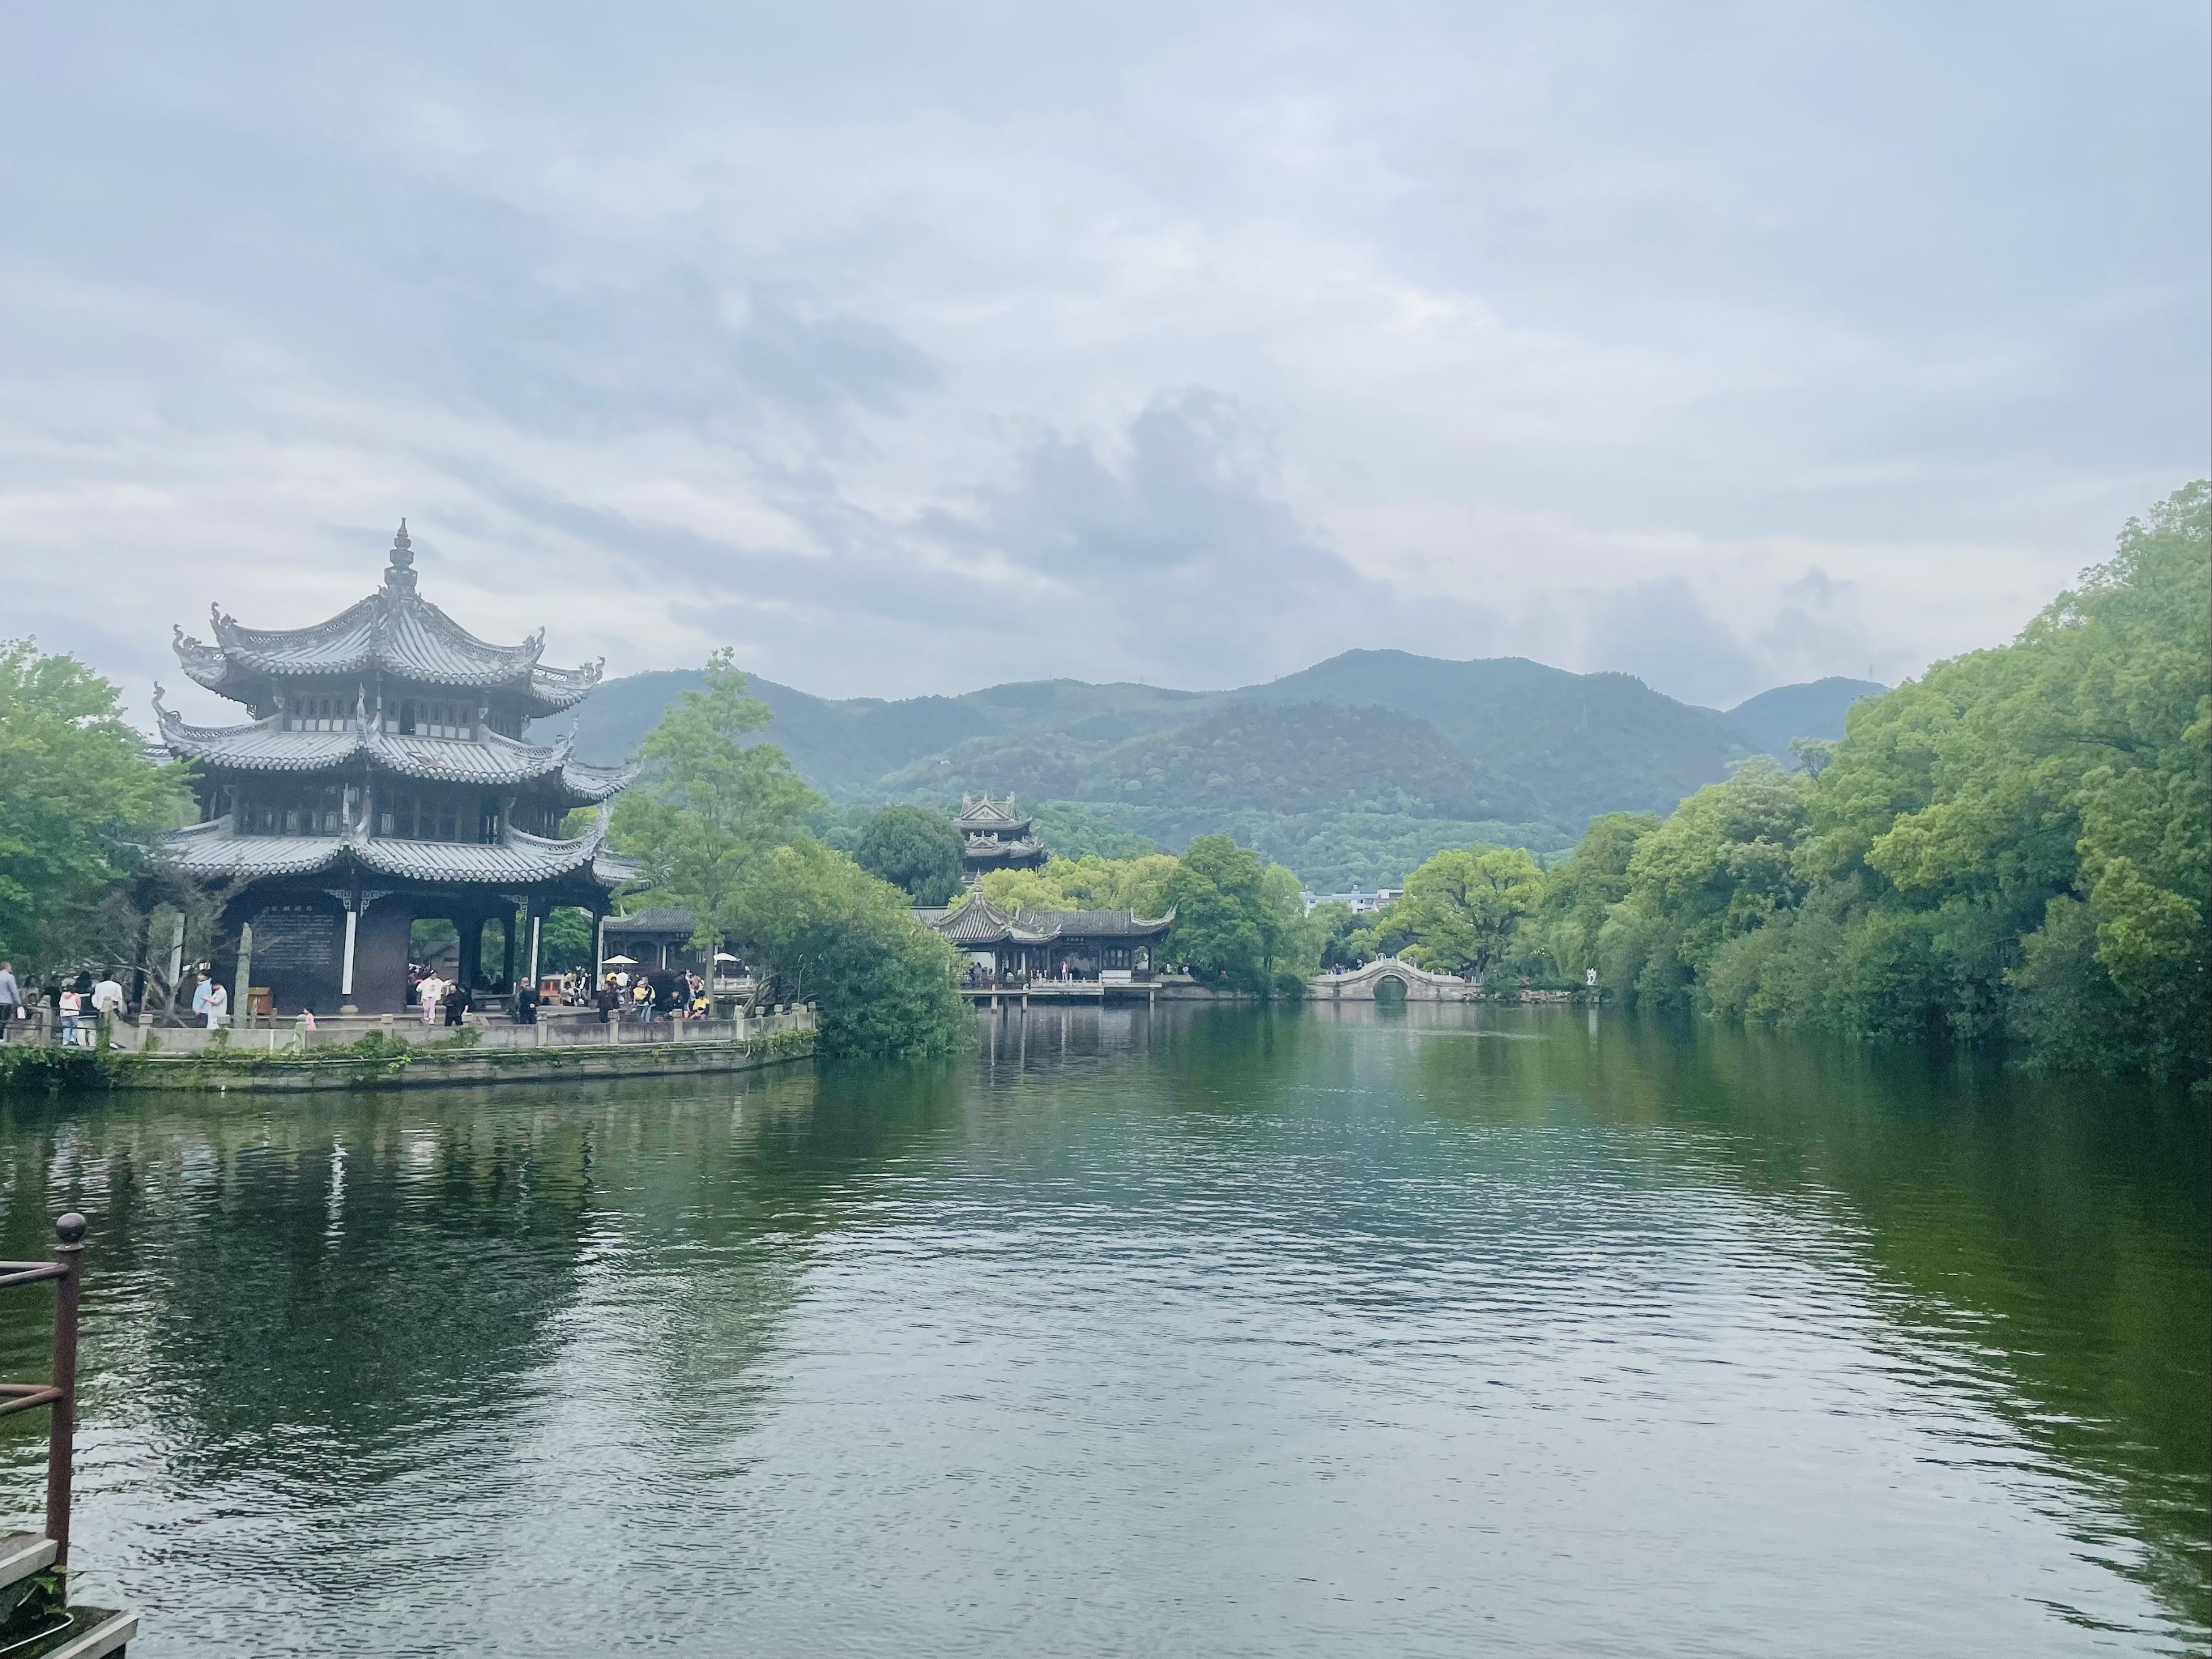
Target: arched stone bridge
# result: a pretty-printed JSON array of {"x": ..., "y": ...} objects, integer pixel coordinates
[{"x": 1359, "y": 985}]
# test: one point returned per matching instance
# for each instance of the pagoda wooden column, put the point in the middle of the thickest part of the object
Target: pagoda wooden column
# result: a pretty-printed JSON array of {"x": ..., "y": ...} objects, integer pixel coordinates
[
  {"x": 506, "y": 933},
  {"x": 471, "y": 969}
]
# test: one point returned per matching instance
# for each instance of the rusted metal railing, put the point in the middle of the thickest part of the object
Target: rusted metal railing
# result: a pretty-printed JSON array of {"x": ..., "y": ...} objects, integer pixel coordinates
[{"x": 60, "y": 1393}]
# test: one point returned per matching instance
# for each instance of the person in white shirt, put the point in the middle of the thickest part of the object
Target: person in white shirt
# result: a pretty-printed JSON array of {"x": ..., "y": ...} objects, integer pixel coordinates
[
  {"x": 428, "y": 993},
  {"x": 71, "y": 1011},
  {"x": 107, "y": 999},
  {"x": 217, "y": 1005}
]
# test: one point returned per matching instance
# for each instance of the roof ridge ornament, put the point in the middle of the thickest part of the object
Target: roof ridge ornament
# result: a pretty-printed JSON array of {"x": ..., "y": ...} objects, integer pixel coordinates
[{"x": 400, "y": 576}]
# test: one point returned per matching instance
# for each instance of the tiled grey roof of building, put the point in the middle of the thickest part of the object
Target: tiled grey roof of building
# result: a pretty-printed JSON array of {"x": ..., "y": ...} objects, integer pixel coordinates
[
  {"x": 981, "y": 812},
  {"x": 211, "y": 851},
  {"x": 991, "y": 846},
  {"x": 266, "y": 746},
  {"x": 667, "y": 919},
  {"x": 1092, "y": 924},
  {"x": 979, "y": 921},
  {"x": 394, "y": 629}
]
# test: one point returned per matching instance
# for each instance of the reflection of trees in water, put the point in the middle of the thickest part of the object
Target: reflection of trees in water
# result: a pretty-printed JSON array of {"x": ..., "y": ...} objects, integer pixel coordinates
[
  {"x": 291, "y": 1283},
  {"x": 2055, "y": 1237},
  {"x": 318, "y": 1291},
  {"x": 2056, "y": 1245},
  {"x": 720, "y": 1204}
]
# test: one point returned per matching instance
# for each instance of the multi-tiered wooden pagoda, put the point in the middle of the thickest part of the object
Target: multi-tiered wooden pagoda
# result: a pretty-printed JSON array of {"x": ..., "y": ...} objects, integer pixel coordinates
[
  {"x": 385, "y": 779},
  {"x": 998, "y": 836}
]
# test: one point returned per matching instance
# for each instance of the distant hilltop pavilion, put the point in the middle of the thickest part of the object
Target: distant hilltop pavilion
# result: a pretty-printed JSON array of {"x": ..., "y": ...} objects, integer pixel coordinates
[
  {"x": 384, "y": 781},
  {"x": 998, "y": 837}
]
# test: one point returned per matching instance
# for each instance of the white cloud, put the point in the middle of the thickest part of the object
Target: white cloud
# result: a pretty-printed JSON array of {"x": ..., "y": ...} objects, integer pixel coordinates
[{"x": 914, "y": 350}]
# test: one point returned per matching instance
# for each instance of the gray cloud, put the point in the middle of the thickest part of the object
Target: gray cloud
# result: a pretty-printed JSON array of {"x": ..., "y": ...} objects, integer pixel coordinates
[
  {"x": 1662, "y": 633},
  {"x": 910, "y": 348}
]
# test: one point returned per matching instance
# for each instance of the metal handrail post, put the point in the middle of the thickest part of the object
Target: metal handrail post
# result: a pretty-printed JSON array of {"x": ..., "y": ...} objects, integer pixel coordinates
[{"x": 61, "y": 1434}]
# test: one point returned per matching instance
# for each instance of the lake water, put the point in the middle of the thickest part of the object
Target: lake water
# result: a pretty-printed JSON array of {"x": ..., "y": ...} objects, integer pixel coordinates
[{"x": 1437, "y": 1332}]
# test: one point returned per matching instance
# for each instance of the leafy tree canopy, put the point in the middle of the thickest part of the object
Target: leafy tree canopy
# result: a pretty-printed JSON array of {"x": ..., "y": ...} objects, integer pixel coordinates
[
  {"x": 2018, "y": 843},
  {"x": 81, "y": 804},
  {"x": 1465, "y": 906},
  {"x": 914, "y": 849},
  {"x": 710, "y": 804},
  {"x": 721, "y": 826},
  {"x": 838, "y": 935},
  {"x": 1090, "y": 882},
  {"x": 1239, "y": 923}
]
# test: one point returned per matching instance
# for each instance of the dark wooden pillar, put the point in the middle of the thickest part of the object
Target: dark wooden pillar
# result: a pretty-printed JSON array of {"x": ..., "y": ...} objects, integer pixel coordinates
[{"x": 470, "y": 925}]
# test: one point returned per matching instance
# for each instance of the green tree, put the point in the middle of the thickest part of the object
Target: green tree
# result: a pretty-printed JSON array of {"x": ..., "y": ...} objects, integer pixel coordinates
[
  {"x": 2018, "y": 843},
  {"x": 719, "y": 825},
  {"x": 1339, "y": 924},
  {"x": 710, "y": 804},
  {"x": 1237, "y": 921},
  {"x": 913, "y": 849},
  {"x": 837, "y": 935},
  {"x": 1139, "y": 885},
  {"x": 1465, "y": 906},
  {"x": 1581, "y": 891},
  {"x": 81, "y": 804},
  {"x": 1814, "y": 755},
  {"x": 1720, "y": 866},
  {"x": 565, "y": 941}
]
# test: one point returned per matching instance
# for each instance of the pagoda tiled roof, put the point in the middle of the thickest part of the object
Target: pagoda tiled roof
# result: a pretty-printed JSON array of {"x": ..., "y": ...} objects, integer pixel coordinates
[
  {"x": 212, "y": 851},
  {"x": 268, "y": 746},
  {"x": 664, "y": 919},
  {"x": 990, "y": 847},
  {"x": 979, "y": 921},
  {"x": 394, "y": 629},
  {"x": 981, "y": 812},
  {"x": 1092, "y": 924}
]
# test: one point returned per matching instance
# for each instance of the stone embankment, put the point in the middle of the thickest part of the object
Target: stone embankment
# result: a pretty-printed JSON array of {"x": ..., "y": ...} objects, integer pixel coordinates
[{"x": 282, "y": 1055}]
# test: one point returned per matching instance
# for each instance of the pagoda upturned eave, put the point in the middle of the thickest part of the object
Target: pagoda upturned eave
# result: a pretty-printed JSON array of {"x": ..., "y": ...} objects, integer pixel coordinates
[
  {"x": 393, "y": 632},
  {"x": 487, "y": 759},
  {"x": 981, "y": 815},
  {"x": 212, "y": 851},
  {"x": 979, "y": 921}
]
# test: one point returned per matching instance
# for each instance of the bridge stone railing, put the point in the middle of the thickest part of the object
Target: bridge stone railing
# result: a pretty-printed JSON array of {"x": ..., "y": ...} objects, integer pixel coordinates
[{"x": 1359, "y": 985}]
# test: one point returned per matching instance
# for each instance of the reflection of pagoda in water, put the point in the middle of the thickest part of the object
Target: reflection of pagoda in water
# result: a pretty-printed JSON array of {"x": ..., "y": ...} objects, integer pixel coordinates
[
  {"x": 998, "y": 837},
  {"x": 385, "y": 780}
]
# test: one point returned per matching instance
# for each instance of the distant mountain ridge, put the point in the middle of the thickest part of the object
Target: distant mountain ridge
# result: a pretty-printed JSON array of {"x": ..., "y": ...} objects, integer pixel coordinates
[{"x": 1346, "y": 770}]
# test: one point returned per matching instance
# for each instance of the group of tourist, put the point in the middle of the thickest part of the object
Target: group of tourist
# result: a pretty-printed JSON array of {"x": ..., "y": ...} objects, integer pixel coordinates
[
  {"x": 74, "y": 1009},
  {"x": 71, "y": 1011},
  {"x": 667, "y": 994}
]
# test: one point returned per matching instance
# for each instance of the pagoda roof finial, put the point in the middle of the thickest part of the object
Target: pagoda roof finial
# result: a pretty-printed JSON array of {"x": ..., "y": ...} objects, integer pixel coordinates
[{"x": 401, "y": 574}]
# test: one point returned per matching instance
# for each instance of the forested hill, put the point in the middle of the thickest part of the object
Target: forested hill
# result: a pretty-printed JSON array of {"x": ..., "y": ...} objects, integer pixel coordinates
[{"x": 1350, "y": 771}]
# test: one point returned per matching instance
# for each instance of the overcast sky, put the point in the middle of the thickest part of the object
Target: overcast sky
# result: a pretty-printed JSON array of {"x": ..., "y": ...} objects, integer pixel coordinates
[{"x": 913, "y": 348}]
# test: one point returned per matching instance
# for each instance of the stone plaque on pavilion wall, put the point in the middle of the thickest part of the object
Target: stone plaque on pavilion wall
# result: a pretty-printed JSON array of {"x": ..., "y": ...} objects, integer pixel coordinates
[{"x": 295, "y": 942}]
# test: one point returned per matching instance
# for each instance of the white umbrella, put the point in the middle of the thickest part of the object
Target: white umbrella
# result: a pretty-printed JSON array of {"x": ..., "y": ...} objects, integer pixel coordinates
[
  {"x": 724, "y": 956},
  {"x": 620, "y": 962}
]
